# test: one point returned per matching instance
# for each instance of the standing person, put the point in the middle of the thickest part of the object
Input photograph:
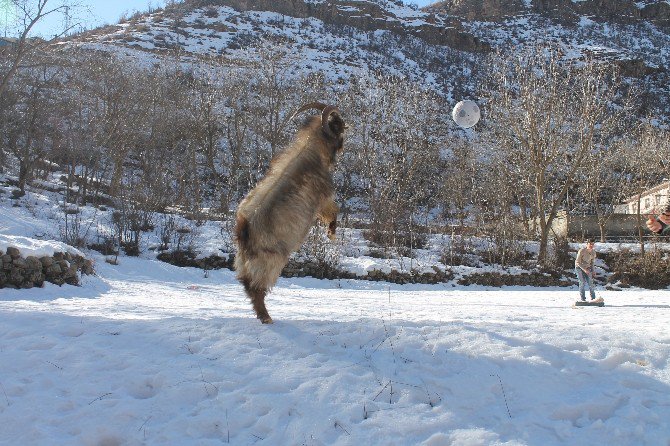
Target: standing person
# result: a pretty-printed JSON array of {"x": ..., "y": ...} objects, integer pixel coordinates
[{"x": 584, "y": 267}]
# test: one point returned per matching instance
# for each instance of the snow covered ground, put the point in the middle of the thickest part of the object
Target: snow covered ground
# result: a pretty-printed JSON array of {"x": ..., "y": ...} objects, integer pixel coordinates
[{"x": 148, "y": 353}]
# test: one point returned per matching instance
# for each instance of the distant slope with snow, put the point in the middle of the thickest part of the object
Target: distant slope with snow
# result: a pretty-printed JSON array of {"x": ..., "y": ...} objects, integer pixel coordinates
[{"x": 442, "y": 47}]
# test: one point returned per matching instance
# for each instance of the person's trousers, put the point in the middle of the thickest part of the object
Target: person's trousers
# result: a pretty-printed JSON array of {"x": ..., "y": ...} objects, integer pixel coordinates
[{"x": 583, "y": 279}]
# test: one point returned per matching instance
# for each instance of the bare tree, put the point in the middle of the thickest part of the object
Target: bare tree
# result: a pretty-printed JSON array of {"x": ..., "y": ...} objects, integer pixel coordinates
[
  {"x": 29, "y": 130},
  {"x": 549, "y": 114},
  {"x": 602, "y": 183},
  {"x": 28, "y": 14},
  {"x": 393, "y": 157},
  {"x": 235, "y": 177},
  {"x": 459, "y": 181},
  {"x": 273, "y": 91}
]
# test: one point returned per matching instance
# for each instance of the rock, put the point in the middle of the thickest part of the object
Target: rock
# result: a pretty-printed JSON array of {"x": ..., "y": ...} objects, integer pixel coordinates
[
  {"x": 54, "y": 270},
  {"x": 370, "y": 17},
  {"x": 567, "y": 12},
  {"x": 16, "y": 277},
  {"x": 34, "y": 263},
  {"x": 20, "y": 263},
  {"x": 70, "y": 272},
  {"x": 35, "y": 277},
  {"x": 635, "y": 68},
  {"x": 13, "y": 252},
  {"x": 489, "y": 10},
  {"x": 87, "y": 267},
  {"x": 658, "y": 13}
]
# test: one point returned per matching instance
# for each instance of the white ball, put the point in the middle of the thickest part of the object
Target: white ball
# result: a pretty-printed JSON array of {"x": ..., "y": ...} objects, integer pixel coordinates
[{"x": 466, "y": 114}]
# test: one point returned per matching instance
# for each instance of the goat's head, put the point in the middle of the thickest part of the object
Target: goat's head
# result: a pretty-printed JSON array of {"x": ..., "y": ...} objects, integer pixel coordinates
[{"x": 332, "y": 125}]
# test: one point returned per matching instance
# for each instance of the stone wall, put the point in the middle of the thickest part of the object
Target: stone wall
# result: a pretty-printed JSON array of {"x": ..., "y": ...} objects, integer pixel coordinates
[
  {"x": 309, "y": 268},
  {"x": 188, "y": 258},
  {"x": 17, "y": 271},
  {"x": 536, "y": 279}
]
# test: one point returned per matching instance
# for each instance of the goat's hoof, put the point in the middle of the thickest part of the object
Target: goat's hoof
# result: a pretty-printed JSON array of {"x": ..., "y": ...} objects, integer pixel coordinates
[{"x": 266, "y": 320}]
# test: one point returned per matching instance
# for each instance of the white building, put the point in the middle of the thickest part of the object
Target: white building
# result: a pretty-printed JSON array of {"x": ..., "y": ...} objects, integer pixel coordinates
[{"x": 652, "y": 200}]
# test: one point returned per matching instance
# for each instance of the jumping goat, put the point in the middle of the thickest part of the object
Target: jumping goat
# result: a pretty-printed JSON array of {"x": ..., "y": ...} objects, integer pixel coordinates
[{"x": 276, "y": 215}]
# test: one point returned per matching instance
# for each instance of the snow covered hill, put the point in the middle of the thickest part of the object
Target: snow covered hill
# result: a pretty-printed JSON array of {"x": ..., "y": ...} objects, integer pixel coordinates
[
  {"x": 337, "y": 50},
  {"x": 443, "y": 47}
]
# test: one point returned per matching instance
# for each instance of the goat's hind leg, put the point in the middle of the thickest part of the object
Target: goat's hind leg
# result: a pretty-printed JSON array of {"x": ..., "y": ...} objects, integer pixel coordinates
[
  {"x": 257, "y": 297},
  {"x": 258, "y": 275},
  {"x": 258, "y": 301}
]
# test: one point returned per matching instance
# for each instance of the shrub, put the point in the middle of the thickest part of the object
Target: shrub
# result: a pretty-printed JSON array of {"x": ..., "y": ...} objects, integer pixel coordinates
[
  {"x": 558, "y": 257},
  {"x": 459, "y": 250},
  {"x": 651, "y": 270},
  {"x": 211, "y": 12},
  {"x": 106, "y": 247},
  {"x": 402, "y": 242},
  {"x": 505, "y": 252}
]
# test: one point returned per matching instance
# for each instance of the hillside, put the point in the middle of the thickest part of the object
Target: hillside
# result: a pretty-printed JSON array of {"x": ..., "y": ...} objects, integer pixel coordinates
[
  {"x": 567, "y": 12},
  {"x": 443, "y": 46}
]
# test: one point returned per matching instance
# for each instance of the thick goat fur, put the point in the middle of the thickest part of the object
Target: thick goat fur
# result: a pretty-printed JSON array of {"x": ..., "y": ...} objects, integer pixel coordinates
[{"x": 275, "y": 217}]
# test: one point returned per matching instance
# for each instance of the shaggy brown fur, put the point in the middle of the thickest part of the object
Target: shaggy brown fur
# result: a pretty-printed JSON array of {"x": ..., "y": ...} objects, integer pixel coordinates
[{"x": 274, "y": 218}]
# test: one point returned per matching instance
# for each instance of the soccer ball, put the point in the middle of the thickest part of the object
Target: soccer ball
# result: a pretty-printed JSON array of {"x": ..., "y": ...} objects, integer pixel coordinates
[{"x": 466, "y": 114}]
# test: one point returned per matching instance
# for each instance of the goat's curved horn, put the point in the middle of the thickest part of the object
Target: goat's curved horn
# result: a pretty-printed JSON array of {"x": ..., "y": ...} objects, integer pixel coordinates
[
  {"x": 310, "y": 106},
  {"x": 325, "y": 114}
]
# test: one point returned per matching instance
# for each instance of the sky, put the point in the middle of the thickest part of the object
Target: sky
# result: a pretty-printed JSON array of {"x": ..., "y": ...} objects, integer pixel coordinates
[
  {"x": 94, "y": 13},
  {"x": 91, "y": 14}
]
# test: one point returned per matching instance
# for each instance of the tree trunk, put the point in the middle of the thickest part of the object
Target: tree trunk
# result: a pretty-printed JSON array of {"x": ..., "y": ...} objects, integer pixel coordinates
[
  {"x": 640, "y": 230},
  {"x": 24, "y": 173},
  {"x": 544, "y": 241},
  {"x": 117, "y": 174}
]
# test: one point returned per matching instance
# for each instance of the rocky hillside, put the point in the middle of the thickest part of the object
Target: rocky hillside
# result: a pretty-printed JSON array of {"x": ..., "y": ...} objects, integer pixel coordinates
[
  {"x": 442, "y": 46},
  {"x": 656, "y": 12}
]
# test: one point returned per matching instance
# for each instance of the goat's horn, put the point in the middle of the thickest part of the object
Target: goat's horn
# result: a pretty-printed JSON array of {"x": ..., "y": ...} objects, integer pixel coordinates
[
  {"x": 311, "y": 105},
  {"x": 325, "y": 114}
]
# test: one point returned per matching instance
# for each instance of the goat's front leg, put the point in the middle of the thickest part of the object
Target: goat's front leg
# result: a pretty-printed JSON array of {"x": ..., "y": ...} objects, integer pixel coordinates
[{"x": 328, "y": 215}]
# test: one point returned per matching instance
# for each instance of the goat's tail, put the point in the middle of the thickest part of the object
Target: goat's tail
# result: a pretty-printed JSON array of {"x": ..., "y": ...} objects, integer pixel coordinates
[
  {"x": 242, "y": 233},
  {"x": 243, "y": 240}
]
